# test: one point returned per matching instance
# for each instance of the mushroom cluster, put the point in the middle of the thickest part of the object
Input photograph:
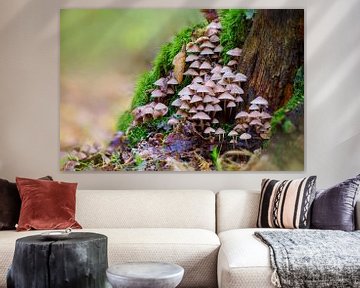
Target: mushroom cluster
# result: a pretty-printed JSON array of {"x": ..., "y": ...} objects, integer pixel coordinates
[
  {"x": 165, "y": 87},
  {"x": 254, "y": 123},
  {"x": 214, "y": 95}
]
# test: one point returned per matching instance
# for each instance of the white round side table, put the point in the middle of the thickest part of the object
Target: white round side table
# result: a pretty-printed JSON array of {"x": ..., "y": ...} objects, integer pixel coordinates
[{"x": 145, "y": 275}]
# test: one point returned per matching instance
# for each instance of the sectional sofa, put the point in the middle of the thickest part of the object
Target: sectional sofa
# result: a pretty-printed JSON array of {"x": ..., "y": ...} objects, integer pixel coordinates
[{"x": 210, "y": 235}]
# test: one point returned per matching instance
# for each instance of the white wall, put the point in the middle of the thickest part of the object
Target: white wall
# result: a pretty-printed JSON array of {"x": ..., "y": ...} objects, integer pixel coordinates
[{"x": 29, "y": 95}]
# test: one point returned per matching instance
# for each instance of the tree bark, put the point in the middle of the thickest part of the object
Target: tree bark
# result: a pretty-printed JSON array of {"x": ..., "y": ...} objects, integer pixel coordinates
[
  {"x": 272, "y": 52},
  {"x": 79, "y": 261}
]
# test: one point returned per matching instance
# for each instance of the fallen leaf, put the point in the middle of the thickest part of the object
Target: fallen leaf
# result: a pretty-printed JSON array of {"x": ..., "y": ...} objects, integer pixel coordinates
[{"x": 179, "y": 64}]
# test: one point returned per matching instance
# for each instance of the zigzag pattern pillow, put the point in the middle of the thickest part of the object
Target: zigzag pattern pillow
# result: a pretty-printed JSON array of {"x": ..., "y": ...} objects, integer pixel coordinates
[{"x": 286, "y": 204}]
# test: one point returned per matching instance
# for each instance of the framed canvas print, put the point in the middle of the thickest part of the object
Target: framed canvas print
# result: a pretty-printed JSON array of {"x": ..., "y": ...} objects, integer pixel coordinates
[{"x": 182, "y": 90}]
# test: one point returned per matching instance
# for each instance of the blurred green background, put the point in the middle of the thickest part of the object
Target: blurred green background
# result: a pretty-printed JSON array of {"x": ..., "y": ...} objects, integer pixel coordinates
[{"x": 102, "y": 53}]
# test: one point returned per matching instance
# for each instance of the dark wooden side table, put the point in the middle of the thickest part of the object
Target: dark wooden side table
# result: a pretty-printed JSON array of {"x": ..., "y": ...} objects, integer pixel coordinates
[{"x": 79, "y": 261}]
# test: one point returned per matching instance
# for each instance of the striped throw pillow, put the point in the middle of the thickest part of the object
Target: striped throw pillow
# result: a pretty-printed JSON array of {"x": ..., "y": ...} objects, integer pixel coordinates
[{"x": 286, "y": 204}]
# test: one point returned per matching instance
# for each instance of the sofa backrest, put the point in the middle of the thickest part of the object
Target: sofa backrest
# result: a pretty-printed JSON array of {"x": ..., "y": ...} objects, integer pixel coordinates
[
  {"x": 236, "y": 209},
  {"x": 239, "y": 209},
  {"x": 146, "y": 209}
]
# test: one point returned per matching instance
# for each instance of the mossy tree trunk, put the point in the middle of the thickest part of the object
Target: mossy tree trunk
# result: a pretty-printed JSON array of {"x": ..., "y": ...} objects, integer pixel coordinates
[{"x": 272, "y": 52}]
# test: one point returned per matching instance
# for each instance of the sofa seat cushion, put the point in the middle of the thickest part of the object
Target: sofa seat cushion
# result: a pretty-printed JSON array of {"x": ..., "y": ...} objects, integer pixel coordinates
[
  {"x": 194, "y": 249},
  {"x": 244, "y": 261}
]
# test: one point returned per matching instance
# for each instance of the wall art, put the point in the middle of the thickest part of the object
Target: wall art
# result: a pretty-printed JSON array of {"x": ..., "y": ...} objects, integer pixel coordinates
[{"x": 182, "y": 90}]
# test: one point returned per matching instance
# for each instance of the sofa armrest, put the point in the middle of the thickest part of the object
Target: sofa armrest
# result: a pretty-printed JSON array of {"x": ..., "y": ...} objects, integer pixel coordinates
[{"x": 357, "y": 215}]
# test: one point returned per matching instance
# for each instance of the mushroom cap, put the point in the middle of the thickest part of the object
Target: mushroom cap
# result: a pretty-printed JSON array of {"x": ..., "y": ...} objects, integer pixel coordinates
[
  {"x": 260, "y": 101},
  {"x": 265, "y": 136},
  {"x": 236, "y": 52},
  {"x": 193, "y": 110},
  {"x": 207, "y": 44},
  {"x": 195, "y": 64},
  {"x": 185, "y": 98},
  {"x": 254, "y": 114},
  {"x": 254, "y": 107},
  {"x": 236, "y": 89},
  {"x": 209, "y": 108},
  {"x": 210, "y": 84},
  {"x": 218, "y": 49},
  {"x": 173, "y": 121},
  {"x": 242, "y": 114},
  {"x": 148, "y": 110},
  {"x": 201, "y": 116},
  {"x": 215, "y": 121},
  {"x": 239, "y": 77},
  {"x": 184, "y": 106},
  {"x": 232, "y": 63},
  {"x": 205, "y": 66},
  {"x": 194, "y": 86},
  {"x": 231, "y": 104},
  {"x": 169, "y": 91},
  {"x": 191, "y": 72},
  {"x": 222, "y": 82},
  {"x": 219, "y": 89},
  {"x": 191, "y": 58},
  {"x": 200, "y": 107},
  {"x": 193, "y": 48},
  {"x": 204, "y": 89},
  {"x": 238, "y": 99},
  {"x": 233, "y": 141},
  {"x": 216, "y": 69},
  {"x": 210, "y": 32},
  {"x": 267, "y": 125},
  {"x": 233, "y": 133},
  {"x": 202, "y": 39},
  {"x": 216, "y": 77},
  {"x": 195, "y": 99},
  {"x": 245, "y": 136},
  {"x": 217, "y": 108},
  {"x": 214, "y": 25},
  {"x": 215, "y": 100},
  {"x": 228, "y": 75},
  {"x": 176, "y": 103},
  {"x": 209, "y": 130},
  {"x": 173, "y": 81},
  {"x": 198, "y": 79},
  {"x": 160, "y": 82},
  {"x": 226, "y": 96},
  {"x": 255, "y": 122},
  {"x": 181, "y": 113},
  {"x": 239, "y": 127},
  {"x": 219, "y": 131},
  {"x": 208, "y": 99},
  {"x": 157, "y": 93},
  {"x": 265, "y": 115},
  {"x": 225, "y": 69},
  {"x": 207, "y": 51},
  {"x": 214, "y": 39},
  {"x": 161, "y": 107},
  {"x": 185, "y": 91}
]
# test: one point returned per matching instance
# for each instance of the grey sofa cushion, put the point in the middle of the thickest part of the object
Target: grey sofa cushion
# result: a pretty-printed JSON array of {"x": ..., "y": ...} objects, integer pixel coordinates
[{"x": 334, "y": 208}]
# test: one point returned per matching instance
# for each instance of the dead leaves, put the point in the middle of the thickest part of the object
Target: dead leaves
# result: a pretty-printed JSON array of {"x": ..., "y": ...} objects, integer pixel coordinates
[{"x": 179, "y": 65}]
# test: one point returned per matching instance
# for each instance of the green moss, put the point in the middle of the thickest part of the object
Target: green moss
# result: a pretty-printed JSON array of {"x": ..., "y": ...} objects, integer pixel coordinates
[
  {"x": 236, "y": 25},
  {"x": 161, "y": 66},
  {"x": 136, "y": 134},
  {"x": 124, "y": 121},
  {"x": 279, "y": 118}
]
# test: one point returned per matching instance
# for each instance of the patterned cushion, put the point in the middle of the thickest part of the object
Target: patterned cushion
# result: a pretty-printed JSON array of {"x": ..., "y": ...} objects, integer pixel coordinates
[{"x": 286, "y": 204}]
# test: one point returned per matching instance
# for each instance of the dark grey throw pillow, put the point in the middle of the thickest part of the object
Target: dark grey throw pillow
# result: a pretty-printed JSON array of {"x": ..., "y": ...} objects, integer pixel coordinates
[
  {"x": 334, "y": 208},
  {"x": 10, "y": 204}
]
